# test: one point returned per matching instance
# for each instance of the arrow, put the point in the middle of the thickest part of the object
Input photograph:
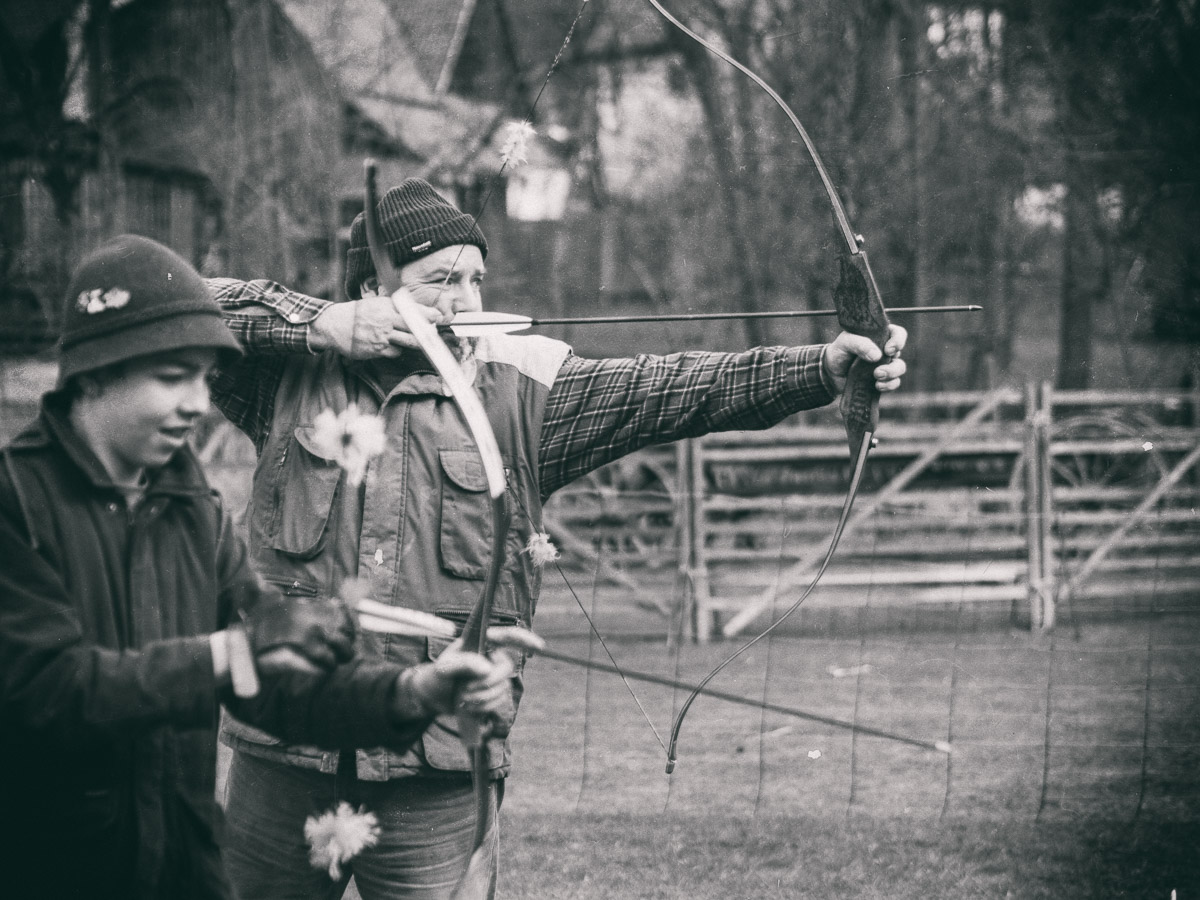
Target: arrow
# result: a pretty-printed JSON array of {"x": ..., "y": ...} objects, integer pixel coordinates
[
  {"x": 477, "y": 324},
  {"x": 375, "y": 616}
]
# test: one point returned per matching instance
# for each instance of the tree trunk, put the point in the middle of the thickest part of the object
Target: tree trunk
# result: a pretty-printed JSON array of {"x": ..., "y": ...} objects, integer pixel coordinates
[
  {"x": 740, "y": 235},
  {"x": 98, "y": 41},
  {"x": 994, "y": 344},
  {"x": 1078, "y": 293},
  {"x": 913, "y": 59}
]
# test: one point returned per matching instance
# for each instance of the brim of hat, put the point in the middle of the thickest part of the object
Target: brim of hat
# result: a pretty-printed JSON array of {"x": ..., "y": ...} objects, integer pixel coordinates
[{"x": 179, "y": 332}]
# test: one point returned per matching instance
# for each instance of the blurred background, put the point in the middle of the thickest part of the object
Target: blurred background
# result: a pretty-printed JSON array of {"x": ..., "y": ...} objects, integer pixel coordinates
[
  {"x": 1040, "y": 159},
  {"x": 1040, "y": 469}
]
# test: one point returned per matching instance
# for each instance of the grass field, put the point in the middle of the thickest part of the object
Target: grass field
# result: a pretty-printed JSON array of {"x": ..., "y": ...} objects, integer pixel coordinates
[{"x": 1074, "y": 774}]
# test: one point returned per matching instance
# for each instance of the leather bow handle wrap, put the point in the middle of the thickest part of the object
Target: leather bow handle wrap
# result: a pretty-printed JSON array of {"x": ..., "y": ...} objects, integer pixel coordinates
[{"x": 860, "y": 311}]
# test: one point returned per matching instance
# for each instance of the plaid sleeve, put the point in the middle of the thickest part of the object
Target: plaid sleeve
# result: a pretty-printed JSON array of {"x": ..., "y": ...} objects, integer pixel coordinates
[
  {"x": 266, "y": 317},
  {"x": 599, "y": 410},
  {"x": 270, "y": 322}
]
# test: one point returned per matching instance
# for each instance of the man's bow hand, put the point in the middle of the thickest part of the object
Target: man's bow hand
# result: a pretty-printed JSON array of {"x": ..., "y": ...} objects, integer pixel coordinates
[{"x": 847, "y": 347}]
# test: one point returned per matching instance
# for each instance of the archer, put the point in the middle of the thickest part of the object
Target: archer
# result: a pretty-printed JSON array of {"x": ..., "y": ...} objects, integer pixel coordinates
[{"x": 417, "y": 527}]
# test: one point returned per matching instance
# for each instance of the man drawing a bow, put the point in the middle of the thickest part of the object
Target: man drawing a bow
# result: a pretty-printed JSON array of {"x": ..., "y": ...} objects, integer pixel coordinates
[{"x": 416, "y": 529}]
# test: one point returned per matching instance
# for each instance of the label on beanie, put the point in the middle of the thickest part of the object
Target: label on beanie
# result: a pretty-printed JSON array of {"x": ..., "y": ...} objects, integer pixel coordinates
[{"x": 97, "y": 301}]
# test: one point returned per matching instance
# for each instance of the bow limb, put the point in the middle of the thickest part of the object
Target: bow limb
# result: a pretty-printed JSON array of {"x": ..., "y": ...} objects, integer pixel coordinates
[
  {"x": 860, "y": 311},
  {"x": 476, "y": 877}
]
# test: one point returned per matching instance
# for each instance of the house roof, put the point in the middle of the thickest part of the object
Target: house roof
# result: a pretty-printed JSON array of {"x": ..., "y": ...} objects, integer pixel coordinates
[
  {"x": 439, "y": 30},
  {"x": 373, "y": 54}
]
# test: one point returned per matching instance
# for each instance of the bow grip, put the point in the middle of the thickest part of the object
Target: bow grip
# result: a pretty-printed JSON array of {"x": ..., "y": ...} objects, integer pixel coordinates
[{"x": 860, "y": 311}]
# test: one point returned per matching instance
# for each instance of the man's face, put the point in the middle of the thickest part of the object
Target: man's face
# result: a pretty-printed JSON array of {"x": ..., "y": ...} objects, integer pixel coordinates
[
  {"x": 450, "y": 280},
  {"x": 145, "y": 412}
]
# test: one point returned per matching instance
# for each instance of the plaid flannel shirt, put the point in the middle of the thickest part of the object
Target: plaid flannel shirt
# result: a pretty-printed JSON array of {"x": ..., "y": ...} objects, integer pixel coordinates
[{"x": 598, "y": 410}]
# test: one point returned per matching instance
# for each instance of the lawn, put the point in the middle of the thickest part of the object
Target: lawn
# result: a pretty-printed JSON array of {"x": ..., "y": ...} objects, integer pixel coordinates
[
  {"x": 1074, "y": 772},
  {"x": 709, "y": 856}
]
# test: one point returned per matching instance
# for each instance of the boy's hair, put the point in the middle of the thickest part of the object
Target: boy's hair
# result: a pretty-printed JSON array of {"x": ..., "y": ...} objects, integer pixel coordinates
[
  {"x": 134, "y": 297},
  {"x": 75, "y": 386}
]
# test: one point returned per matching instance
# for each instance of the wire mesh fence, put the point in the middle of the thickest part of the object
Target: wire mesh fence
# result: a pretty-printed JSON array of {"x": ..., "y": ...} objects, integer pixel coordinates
[{"x": 1095, "y": 717}]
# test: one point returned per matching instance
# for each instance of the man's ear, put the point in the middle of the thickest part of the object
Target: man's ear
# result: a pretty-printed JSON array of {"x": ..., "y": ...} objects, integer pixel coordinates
[{"x": 369, "y": 287}]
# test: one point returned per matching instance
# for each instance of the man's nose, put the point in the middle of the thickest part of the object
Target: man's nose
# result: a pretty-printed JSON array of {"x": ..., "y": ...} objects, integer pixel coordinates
[{"x": 466, "y": 298}]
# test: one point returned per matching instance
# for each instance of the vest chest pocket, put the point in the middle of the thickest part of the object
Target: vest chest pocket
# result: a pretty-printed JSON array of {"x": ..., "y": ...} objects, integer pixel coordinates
[
  {"x": 305, "y": 487},
  {"x": 466, "y": 518}
]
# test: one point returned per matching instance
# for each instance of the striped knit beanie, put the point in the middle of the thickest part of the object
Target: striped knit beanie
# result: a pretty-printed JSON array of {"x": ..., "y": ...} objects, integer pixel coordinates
[{"x": 415, "y": 222}]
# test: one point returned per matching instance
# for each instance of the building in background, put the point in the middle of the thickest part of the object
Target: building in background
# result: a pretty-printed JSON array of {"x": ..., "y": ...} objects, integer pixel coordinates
[{"x": 233, "y": 130}]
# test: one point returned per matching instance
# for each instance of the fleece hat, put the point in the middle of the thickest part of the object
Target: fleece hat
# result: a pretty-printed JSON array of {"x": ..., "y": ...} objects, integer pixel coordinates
[
  {"x": 132, "y": 297},
  {"x": 415, "y": 222}
]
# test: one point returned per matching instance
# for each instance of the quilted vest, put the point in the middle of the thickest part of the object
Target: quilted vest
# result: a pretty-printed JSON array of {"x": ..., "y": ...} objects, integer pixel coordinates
[{"x": 417, "y": 529}]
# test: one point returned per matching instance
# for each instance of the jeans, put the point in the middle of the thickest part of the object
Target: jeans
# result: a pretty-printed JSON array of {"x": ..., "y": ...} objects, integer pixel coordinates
[{"x": 426, "y": 825}]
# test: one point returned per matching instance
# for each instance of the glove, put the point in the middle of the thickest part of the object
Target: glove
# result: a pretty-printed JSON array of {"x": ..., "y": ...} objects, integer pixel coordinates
[
  {"x": 320, "y": 631},
  {"x": 467, "y": 684}
]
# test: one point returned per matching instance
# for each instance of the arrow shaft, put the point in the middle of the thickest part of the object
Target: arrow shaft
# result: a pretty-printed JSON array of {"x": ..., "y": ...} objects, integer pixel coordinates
[
  {"x": 734, "y": 698},
  {"x": 696, "y": 317}
]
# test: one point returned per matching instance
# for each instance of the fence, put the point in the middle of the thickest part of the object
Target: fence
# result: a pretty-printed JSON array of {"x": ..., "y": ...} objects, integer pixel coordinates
[
  {"x": 1043, "y": 500},
  {"x": 1036, "y": 498}
]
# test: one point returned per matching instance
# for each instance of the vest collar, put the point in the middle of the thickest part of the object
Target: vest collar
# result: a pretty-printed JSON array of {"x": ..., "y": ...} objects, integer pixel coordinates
[{"x": 417, "y": 376}]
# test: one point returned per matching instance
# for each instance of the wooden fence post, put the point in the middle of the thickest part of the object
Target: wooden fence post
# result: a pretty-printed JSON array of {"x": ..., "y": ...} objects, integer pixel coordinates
[
  {"x": 1045, "y": 494},
  {"x": 689, "y": 523},
  {"x": 1034, "y": 536}
]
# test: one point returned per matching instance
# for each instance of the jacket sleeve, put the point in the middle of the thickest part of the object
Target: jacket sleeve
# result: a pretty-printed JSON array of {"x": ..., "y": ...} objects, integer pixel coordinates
[
  {"x": 265, "y": 316},
  {"x": 271, "y": 323},
  {"x": 359, "y": 704},
  {"x": 364, "y": 703},
  {"x": 56, "y": 686},
  {"x": 599, "y": 410}
]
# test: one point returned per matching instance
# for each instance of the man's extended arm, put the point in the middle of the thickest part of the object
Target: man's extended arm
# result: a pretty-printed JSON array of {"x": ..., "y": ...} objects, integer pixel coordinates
[
  {"x": 602, "y": 409},
  {"x": 599, "y": 410}
]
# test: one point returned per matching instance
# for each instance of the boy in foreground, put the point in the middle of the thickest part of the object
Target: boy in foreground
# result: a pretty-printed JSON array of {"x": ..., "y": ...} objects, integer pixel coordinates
[{"x": 126, "y": 602}]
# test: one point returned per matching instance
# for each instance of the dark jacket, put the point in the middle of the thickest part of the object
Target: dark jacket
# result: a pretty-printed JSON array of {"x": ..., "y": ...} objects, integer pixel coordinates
[
  {"x": 108, "y": 704},
  {"x": 417, "y": 530}
]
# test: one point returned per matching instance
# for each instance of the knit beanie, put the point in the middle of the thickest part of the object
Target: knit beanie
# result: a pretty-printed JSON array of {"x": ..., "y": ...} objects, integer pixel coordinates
[
  {"x": 133, "y": 297},
  {"x": 415, "y": 222}
]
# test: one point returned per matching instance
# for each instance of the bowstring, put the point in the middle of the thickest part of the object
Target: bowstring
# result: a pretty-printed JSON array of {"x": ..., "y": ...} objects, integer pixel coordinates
[
  {"x": 492, "y": 183},
  {"x": 593, "y": 630},
  {"x": 495, "y": 179}
]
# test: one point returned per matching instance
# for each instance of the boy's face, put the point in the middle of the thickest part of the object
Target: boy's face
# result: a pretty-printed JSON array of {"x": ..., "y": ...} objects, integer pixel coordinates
[{"x": 146, "y": 411}]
